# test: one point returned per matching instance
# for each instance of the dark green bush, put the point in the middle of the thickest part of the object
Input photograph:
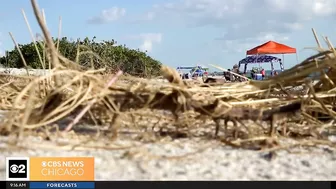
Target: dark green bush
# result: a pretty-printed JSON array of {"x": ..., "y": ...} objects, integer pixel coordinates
[{"x": 111, "y": 56}]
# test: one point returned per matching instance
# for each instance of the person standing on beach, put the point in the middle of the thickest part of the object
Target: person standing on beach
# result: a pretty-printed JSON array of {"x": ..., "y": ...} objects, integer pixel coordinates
[
  {"x": 235, "y": 70},
  {"x": 263, "y": 73},
  {"x": 227, "y": 75}
]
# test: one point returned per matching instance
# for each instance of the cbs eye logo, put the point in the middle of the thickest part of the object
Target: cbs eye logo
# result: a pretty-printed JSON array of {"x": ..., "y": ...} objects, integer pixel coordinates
[{"x": 17, "y": 169}]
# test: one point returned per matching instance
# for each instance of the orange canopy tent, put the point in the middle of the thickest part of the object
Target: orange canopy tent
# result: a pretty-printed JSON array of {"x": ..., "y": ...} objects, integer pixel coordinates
[{"x": 272, "y": 47}]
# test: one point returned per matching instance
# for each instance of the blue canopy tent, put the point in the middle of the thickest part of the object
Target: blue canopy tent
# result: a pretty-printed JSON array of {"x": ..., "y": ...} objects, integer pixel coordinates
[{"x": 254, "y": 59}]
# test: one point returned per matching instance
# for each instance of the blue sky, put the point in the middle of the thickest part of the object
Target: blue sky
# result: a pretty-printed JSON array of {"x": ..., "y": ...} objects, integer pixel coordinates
[{"x": 181, "y": 32}]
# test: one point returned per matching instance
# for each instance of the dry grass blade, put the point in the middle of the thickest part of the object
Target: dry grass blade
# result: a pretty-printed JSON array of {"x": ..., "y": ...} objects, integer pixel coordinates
[
  {"x": 171, "y": 75},
  {"x": 81, "y": 114},
  {"x": 18, "y": 48}
]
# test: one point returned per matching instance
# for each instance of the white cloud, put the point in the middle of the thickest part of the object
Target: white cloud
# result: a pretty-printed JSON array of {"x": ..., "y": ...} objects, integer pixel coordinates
[
  {"x": 108, "y": 15},
  {"x": 241, "y": 45},
  {"x": 272, "y": 37},
  {"x": 248, "y": 21},
  {"x": 150, "y": 16},
  {"x": 324, "y": 7},
  {"x": 148, "y": 40}
]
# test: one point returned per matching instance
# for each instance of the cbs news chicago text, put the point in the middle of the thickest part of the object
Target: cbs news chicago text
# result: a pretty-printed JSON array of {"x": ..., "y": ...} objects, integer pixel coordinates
[
  {"x": 62, "y": 168},
  {"x": 50, "y": 169}
]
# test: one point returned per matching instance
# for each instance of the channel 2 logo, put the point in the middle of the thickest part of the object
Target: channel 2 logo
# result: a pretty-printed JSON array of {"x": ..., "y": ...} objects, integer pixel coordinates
[{"x": 17, "y": 168}]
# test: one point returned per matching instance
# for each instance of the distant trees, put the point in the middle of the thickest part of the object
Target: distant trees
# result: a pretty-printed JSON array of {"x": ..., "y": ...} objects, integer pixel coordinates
[{"x": 106, "y": 54}]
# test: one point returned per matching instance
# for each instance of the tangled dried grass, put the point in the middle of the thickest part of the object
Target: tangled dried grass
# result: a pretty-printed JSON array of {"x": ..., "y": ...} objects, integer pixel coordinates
[{"x": 71, "y": 97}]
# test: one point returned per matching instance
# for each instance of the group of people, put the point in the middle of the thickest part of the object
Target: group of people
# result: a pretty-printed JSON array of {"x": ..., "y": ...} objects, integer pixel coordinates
[
  {"x": 255, "y": 73},
  {"x": 229, "y": 76},
  {"x": 233, "y": 75},
  {"x": 258, "y": 73}
]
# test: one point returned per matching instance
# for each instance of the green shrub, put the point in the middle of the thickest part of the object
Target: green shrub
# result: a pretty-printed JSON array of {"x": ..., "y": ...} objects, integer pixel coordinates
[{"x": 111, "y": 56}]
